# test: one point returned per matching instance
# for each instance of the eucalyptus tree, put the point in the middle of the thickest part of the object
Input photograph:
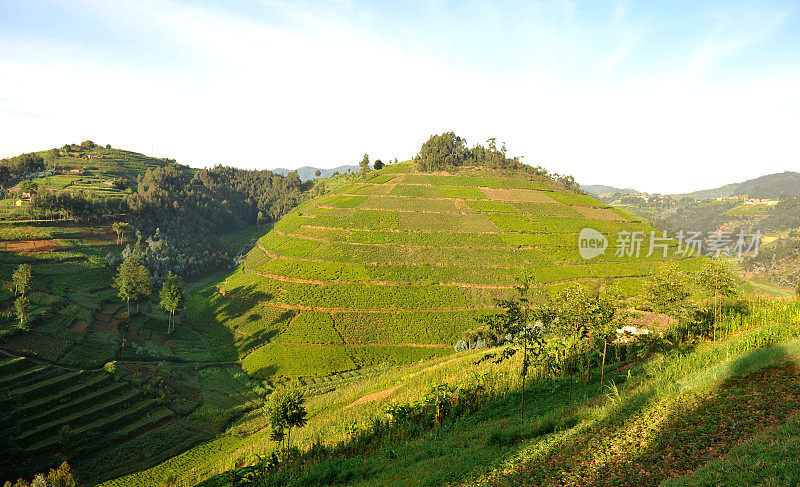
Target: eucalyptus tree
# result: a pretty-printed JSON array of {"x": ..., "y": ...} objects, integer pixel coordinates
[
  {"x": 22, "y": 278},
  {"x": 717, "y": 279},
  {"x": 173, "y": 298},
  {"x": 521, "y": 324}
]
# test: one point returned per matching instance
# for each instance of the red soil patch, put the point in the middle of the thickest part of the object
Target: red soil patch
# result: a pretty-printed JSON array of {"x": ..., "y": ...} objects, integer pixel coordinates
[
  {"x": 80, "y": 326},
  {"x": 110, "y": 309},
  {"x": 159, "y": 338},
  {"x": 30, "y": 246},
  {"x": 106, "y": 324}
]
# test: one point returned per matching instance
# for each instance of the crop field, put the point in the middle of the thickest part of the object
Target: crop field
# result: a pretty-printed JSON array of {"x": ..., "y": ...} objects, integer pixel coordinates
[
  {"x": 139, "y": 415},
  {"x": 400, "y": 265},
  {"x": 99, "y": 409}
]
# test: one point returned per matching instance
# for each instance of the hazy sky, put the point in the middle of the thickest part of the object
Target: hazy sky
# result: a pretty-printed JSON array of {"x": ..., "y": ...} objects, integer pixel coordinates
[{"x": 660, "y": 96}]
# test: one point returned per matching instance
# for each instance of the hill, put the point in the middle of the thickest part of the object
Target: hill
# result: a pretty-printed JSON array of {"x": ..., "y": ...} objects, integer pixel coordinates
[
  {"x": 770, "y": 186},
  {"x": 397, "y": 267},
  {"x": 307, "y": 172},
  {"x": 129, "y": 393},
  {"x": 602, "y": 189}
]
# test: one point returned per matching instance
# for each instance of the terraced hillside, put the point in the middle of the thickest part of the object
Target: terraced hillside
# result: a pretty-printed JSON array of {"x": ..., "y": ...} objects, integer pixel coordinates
[
  {"x": 47, "y": 409},
  {"x": 396, "y": 267}
]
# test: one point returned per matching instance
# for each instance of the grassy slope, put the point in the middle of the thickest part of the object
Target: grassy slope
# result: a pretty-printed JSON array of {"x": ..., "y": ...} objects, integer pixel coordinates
[
  {"x": 406, "y": 258},
  {"x": 665, "y": 418}
]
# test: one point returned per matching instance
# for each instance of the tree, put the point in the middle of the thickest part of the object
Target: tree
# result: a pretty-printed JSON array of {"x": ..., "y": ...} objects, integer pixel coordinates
[
  {"x": 133, "y": 281},
  {"x": 173, "y": 296},
  {"x": 51, "y": 159},
  {"x": 5, "y": 177},
  {"x": 716, "y": 278},
  {"x": 667, "y": 290},
  {"x": 521, "y": 320},
  {"x": 87, "y": 144},
  {"x": 60, "y": 477},
  {"x": 21, "y": 306},
  {"x": 65, "y": 438},
  {"x": 364, "y": 165},
  {"x": 123, "y": 324},
  {"x": 119, "y": 228},
  {"x": 377, "y": 165},
  {"x": 442, "y": 151},
  {"x": 22, "y": 277},
  {"x": 285, "y": 410},
  {"x": 28, "y": 186},
  {"x": 317, "y": 173},
  {"x": 581, "y": 312}
]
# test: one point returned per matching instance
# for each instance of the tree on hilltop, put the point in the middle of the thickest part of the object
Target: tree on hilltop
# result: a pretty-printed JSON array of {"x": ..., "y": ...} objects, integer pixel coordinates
[
  {"x": 442, "y": 151},
  {"x": 377, "y": 165},
  {"x": 317, "y": 173},
  {"x": 133, "y": 281},
  {"x": 364, "y": 165}
]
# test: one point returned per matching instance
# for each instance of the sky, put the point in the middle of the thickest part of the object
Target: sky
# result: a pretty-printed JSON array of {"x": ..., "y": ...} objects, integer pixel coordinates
[{"x": 660, "y": 96}]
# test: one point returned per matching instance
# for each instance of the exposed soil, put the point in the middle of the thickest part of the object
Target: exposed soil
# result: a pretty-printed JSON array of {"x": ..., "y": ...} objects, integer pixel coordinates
[
  {"x": 105, "y": 323},
  {"x": 80, "y": 326},
  {"x": 31, "y": 246},
  {"x": 375, "y": 396}
]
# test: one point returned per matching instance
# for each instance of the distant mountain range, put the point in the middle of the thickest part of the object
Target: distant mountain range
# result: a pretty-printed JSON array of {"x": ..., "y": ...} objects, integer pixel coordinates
[
  {"x": 771, "y": 186},
  {"x": 308, "y": 172},
  {"x": 598, "y": 189}
]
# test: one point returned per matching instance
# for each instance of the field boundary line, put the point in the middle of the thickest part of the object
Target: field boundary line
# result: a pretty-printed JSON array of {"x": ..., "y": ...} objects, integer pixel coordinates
[{"x": 277, "y": 277}]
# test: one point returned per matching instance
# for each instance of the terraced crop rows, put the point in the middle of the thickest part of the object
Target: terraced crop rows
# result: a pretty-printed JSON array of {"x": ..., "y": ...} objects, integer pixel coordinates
[
  {"x": 39, "y": 400},
  {"x": 404, "y": 259}
]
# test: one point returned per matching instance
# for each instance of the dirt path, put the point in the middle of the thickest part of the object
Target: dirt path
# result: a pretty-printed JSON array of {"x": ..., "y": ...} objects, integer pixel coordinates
[{"x": 375, "y": 396}]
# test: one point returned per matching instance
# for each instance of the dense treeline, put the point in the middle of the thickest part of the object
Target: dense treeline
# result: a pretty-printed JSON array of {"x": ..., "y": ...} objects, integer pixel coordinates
[
  {"x": 77, "y": 206},
  {"x": 220, "y": 198},
  {"x": 13, "y": 169},
  {"x": 780, "y": 261},
  {"x": 448, "y": 151},
  {"x": 179, "y": 216},
  {"x": 786, "y": 214},
  {"x": 176, "y": 213}
]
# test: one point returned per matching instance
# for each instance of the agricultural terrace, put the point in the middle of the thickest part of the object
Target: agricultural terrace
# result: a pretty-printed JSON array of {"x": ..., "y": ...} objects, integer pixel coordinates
[
  {"x": 397, "y": 266},
  {"x": 164, "y": 392}
]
